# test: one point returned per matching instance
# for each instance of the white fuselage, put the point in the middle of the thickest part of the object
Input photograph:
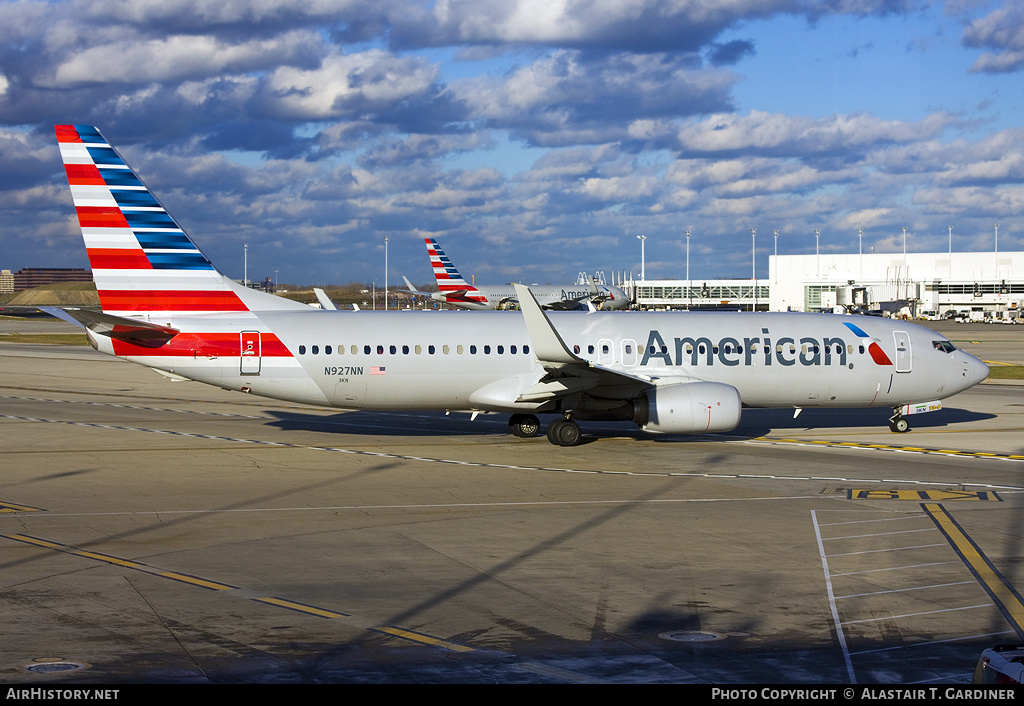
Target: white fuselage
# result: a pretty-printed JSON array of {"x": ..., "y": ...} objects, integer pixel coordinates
[{"x": 483, "y": 361}]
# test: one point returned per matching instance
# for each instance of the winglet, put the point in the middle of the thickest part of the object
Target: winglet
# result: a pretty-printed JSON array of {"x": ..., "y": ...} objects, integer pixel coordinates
[
  {"x": 324, "y": 300},
  {"x": 547, "y": 345},
  {"x": 412, "y": 290}
]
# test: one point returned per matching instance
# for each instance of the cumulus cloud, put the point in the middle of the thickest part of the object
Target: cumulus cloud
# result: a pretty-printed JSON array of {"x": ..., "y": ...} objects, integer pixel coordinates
[
  {"x": 334, "y": 122},
  {"x": 787, "y": 135},
  {"x": 179, "y": 58},
  {"x": 346, "y": 84},
  {"x": 560, "y": 97},
  {"x": 1001, "y": 31}
]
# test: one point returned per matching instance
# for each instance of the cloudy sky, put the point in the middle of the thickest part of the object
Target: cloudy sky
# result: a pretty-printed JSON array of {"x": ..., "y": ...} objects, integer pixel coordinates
[{"x": 532, "y": 138}]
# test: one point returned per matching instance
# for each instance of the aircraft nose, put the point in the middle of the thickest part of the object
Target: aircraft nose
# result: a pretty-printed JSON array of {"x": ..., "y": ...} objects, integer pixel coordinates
[{"x": 974, "y": 370}]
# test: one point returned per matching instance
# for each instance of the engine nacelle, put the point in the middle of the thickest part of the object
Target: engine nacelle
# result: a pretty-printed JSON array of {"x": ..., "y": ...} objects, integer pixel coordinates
[{"x": 689, "y": 408}]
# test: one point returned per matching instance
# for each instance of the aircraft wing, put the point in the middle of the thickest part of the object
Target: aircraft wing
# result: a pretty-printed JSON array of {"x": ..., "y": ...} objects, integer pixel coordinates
[
  {"x": 567, "y": 304},
  {"x": 412, "y": 290},
  {"x": 565, "y": 372},
  {"x": 136, "y": 331}
]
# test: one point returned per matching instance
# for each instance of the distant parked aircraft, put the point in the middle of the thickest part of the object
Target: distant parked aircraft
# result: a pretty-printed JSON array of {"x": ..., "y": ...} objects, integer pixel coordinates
[{"x": 455, "y": 290}]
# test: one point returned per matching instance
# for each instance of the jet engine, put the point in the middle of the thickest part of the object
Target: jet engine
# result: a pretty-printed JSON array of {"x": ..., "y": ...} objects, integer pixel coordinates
[{"x": 689, "y": 408}]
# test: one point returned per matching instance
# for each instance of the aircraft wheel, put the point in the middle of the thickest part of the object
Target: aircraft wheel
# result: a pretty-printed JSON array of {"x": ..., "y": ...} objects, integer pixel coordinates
[
  {"x": 564, "y": 432},
  {"x": 525, "y": 426},
  {"x": 899, "y": 425}
]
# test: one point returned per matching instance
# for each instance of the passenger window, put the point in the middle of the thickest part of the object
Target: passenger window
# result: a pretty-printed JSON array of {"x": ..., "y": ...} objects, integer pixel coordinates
[
  {"x": 302, "y": 350},
  {"x": 446, "y": 349},
  {"x": 366, "y": 350},
  {"x": 315, "y": 350},
  {"x": 430, "y": 350},
  {"x": 405, "y": 350},
  {"x": 487, "y": 350},
  {"x": 327, "y": 350},
  {"x": 526, "y": 349},
  {"x": 501, "y": 349},
  {"x": 472, "y": 350},
  {"x": 512, "y": 350}
]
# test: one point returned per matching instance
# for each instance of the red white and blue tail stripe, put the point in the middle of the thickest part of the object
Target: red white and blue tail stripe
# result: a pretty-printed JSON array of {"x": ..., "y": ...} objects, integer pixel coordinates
[
  {"x": 449, "y": 281},
  {"x": 143, "y": 263}
]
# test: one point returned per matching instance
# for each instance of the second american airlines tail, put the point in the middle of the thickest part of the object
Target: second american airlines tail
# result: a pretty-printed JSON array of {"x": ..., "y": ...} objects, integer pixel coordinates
[
  {"x": 165, "y": 306},
  {"x": 455, "y": 290}
]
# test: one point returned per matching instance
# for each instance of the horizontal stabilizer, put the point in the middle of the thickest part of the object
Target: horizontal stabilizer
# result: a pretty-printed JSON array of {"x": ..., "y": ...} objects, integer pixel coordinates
[
  {"x": 456, "y": 294},
  {"x": 136, "y": 331}
]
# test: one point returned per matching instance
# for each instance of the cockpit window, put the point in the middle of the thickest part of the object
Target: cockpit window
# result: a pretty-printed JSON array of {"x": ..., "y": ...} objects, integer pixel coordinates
[{"x": 944, "y": 346}]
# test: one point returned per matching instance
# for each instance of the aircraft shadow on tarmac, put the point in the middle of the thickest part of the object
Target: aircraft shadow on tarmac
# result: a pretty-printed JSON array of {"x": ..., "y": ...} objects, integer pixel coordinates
[
  {"x": 760, "y": 422},
  {"x": 754, "y": 423}
]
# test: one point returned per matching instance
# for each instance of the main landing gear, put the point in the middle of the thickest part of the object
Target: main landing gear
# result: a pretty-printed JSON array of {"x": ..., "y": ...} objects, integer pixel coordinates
[
  {"x": 897, "y": 423},
  {"x": 562, "y": 431},
  {"x": 524, "y": 425}
]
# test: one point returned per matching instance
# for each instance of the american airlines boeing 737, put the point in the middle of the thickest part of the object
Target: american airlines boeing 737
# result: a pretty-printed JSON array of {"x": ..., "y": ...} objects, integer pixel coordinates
[
  {"x": 454, "y": 290},
  {"x": 165, "y": 306}
]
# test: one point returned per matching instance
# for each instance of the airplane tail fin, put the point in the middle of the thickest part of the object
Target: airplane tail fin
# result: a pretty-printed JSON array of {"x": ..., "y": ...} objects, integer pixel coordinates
[
  {"x": 448, "y": 278},
  {"x": 450, "y": 283},
  {"x": 142, "y": 261}
]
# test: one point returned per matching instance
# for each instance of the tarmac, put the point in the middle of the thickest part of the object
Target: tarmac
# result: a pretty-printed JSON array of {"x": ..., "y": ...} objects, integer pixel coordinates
[{"x": 161, "y": 532}]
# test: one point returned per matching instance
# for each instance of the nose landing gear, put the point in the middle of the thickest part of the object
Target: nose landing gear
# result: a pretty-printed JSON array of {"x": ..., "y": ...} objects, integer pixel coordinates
[{"x": 897, "y": 423}]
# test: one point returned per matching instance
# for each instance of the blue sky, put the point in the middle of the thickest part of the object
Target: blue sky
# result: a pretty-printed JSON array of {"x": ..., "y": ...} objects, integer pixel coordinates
[{"x": 532, "y": 138}]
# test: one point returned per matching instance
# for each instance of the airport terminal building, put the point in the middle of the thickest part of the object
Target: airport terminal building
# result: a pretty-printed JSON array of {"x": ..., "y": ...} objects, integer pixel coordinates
[{"x": 987, "y": 284}]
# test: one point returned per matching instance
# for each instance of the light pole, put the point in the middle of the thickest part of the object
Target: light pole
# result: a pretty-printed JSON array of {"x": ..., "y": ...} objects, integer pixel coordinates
[
  {"x": 817, "y": 250},
  {"x": 860, "y": 250},
  {"x": 996, "y": 226},
  {"x": 776, "y": 279},
  {"x": 753, "y": 251},
  {"x": 904, "y": 245},
  {"x": 643, "y": 276},
  {"x": 245, "y": 264},
  {"x": 385, "y": 273},
  {"x": 688, "y": 282},
  {"x": 950, "y": 251}
]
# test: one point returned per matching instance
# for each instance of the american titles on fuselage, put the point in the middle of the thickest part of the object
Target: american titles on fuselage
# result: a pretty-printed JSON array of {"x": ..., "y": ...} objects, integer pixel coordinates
[{"x": 684, "y": 351}]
